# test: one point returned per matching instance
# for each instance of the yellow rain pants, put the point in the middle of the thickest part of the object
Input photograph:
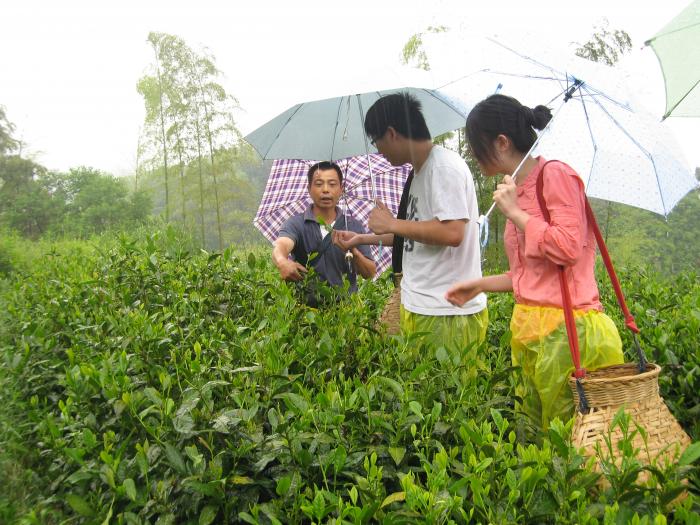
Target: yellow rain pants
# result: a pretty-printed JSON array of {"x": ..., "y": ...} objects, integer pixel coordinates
[
  {"x": 464, "y": 332},
  {"x": 539, "y": 345}
]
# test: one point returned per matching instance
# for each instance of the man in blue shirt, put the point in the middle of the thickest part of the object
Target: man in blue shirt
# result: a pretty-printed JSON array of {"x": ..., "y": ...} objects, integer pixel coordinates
[{"x": 308, "y": 233}]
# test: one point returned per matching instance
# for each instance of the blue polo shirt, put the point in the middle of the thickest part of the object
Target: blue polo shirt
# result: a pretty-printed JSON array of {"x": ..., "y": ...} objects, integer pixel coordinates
[{"x": 331, "y": 265}]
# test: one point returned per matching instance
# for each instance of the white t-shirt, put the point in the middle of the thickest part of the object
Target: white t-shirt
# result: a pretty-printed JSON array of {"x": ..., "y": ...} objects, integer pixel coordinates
[{"x": 443, "y": 189}]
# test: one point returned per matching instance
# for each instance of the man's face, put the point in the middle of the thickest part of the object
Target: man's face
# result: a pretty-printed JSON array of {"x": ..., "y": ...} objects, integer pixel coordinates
[
  {"x": 325, "y": 189},
  {"x": 386, "y": 145}
]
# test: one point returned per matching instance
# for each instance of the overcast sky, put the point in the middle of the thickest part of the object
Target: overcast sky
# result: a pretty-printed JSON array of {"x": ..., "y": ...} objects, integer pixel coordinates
[{"x": 69, "y": 69}]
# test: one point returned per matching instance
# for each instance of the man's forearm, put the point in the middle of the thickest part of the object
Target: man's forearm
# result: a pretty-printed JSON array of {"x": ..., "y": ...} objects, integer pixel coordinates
[
  {"x": 279, "y": 255},
  {"x": 435, "y": 232},
  {"x": 386, "y": 239}
]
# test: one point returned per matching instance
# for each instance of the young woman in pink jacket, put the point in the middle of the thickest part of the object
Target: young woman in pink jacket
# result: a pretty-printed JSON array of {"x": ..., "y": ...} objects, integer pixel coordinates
[{"x": 501, "y": 131}]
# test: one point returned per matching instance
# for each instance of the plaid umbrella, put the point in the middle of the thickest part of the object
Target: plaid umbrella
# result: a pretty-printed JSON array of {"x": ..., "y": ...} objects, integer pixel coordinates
[{"x": 286, "y": 194}]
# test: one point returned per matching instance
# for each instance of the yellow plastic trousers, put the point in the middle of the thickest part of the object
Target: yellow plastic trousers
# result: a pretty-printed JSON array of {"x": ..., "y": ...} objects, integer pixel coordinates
[
  {"x": 464, "y": 332},
  {"x": 539, "y": 345}
]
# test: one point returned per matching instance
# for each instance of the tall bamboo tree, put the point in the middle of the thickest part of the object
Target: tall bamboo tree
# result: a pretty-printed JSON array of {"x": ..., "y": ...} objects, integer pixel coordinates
[{"x": 156, "y": 42}]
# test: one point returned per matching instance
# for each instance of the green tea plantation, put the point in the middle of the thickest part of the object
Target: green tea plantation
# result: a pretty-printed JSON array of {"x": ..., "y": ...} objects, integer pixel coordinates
[{"x": 145, "y": 383}]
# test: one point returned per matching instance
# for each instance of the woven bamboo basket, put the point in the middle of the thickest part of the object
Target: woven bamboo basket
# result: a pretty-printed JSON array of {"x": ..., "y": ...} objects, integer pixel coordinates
[
  {"x": 611, "y": 388},
  {"x": 391, "y": 314}
]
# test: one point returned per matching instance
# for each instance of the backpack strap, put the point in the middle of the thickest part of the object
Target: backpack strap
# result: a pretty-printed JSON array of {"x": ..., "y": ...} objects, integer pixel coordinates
[{"x": 397, "y": 246}]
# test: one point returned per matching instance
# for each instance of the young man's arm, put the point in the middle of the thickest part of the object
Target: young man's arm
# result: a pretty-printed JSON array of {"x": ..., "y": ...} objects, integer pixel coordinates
[
  {"x": 289, "y": 270},
  {"x": 434, "y": 231}
]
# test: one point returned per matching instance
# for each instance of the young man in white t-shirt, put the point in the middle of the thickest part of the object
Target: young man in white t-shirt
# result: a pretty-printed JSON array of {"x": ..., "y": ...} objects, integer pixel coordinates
[{"x": 441, "y": 236}]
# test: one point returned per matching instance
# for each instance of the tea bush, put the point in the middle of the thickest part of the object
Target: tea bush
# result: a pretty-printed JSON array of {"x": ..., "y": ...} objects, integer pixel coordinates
[{"x": 143, "y": 382}]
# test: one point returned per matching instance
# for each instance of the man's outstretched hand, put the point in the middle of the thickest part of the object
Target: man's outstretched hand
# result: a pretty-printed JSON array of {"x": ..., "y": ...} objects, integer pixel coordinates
[{"x": 292, "y": 270}]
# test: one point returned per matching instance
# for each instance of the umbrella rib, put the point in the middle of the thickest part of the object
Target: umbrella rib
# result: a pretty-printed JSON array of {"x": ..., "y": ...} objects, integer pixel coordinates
[
  {"x": 648, "y": 42},
  {"x": 681, "y": 100},
  {"x": 592, "y": 92},
  {"x": 525, "y": 57},
  {"x": 593, "y": 141},
  {"x": 639, "y": 146},
  {"x": 282, "y": 129},
  {"x": 530, "y": 59},
  {"x": 504, "y": 73},
  {"x": 445, "y": 101},
  {"x": 335, "y": 130}
]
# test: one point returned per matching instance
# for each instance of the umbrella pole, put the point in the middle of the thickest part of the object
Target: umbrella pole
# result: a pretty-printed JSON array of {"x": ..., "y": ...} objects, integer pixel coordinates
[
  {"x": 369, "y": 157},
  {"x": 369, "y": 164},
  {"x": 348, "y": 254}
]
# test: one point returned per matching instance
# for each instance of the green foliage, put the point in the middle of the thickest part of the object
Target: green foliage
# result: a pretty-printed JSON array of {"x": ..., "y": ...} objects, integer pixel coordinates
[
  {"x": 413, "y": 52},
  {"x": 25, "y": 204},
  {"x": 96, "y": 202},
  {"x": 605, "y": 45},
  {"x": 7, "y": 142},
  {"x": 667, "y": 311},
  {"x": 188, "y": 118},
  {"x": 241, "y": 178},
  {"x": 637, "y": 236},
  {"x": 144, "y": 381},
  {"x": 83, "y": 202}
]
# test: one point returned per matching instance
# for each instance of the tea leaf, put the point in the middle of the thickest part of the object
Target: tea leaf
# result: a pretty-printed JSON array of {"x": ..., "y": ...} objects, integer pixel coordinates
[
  {"x": 130, "y": 488},
  {"x": 208, "y": 515},
  {"x": 294, "y": 401},
  {"x": 416, "y": 408},
  {"x": 79, "y": 505},
  {"x": 283, "y": 485},
  {"x": 175, "y": 459},
  {"x": 391, "y": 498},
  {"x": 397, "y": 454},
  {"x": 690, "y": 455}
]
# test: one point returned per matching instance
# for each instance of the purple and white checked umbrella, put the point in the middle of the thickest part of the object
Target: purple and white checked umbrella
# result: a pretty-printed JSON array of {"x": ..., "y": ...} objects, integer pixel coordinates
[{"x": 286, "y": 194}]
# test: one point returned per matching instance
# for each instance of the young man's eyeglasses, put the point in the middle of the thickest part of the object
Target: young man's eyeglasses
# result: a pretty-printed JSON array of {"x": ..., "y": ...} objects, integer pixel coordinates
[{"x": 374, "y": 140}]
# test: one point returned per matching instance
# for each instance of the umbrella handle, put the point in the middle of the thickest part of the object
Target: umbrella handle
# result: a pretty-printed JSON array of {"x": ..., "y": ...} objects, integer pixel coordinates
[
  {"x": 483, "y": 222},
  {"x": 348, "y": 259}
]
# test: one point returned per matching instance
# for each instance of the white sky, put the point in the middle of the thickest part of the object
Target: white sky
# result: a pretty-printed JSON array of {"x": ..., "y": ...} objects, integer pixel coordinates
[{"x": 69, "y": 69}]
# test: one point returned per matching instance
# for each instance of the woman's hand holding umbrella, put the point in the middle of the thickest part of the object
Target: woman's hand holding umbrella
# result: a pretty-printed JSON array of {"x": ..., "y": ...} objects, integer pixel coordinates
[{"x": 506, "y": 198}]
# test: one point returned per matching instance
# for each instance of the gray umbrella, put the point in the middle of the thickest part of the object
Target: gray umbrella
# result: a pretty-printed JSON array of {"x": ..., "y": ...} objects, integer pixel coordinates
[{"x": 333, "y": 128}]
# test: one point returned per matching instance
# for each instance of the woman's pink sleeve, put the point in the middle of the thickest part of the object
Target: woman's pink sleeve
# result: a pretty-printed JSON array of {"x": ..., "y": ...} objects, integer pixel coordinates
[{"x": 562, "y": 240}]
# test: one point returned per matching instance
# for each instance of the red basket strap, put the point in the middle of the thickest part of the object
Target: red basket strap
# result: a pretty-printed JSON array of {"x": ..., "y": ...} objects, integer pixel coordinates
[
  {"x": 629, "y": 319},
  {"x": 580, "y": 372},
  {"x": 571, "y": 333}
]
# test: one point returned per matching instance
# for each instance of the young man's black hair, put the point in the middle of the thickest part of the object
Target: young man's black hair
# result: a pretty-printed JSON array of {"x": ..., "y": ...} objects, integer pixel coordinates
[
  {"x": 401, "y": 111},
  {"x": 323, "y": 166}
]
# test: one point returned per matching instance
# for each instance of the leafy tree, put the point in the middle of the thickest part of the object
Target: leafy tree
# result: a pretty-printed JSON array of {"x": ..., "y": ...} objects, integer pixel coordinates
[
  {"x": 25, "y": 204},
  {"x": 154, "y": 89},
  {"x": 195, "y": 125},
  {"x": 413, "y": 52},
  {"x": 7, "y": 142},
  {"x": 97, "y": 202},
  {"x": 218, "y": 124},
  {"x": 605, "y": 45}
]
